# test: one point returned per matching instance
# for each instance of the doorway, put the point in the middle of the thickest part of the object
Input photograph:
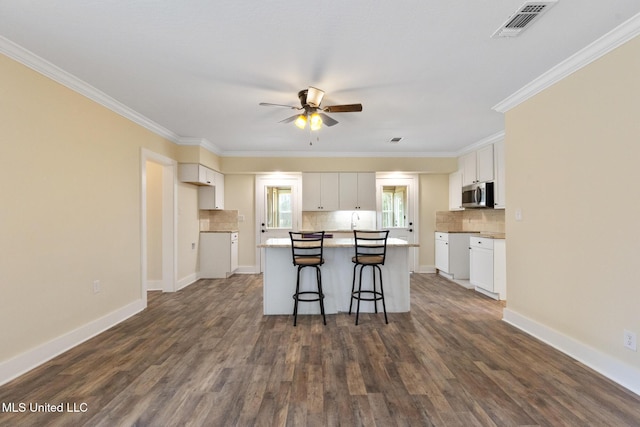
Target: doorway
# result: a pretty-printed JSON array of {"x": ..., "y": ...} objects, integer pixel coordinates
[
  {"x": 278, "y": 208},
  {"x": 397, "y": 201},
  {"x": 162, "y": 228}
]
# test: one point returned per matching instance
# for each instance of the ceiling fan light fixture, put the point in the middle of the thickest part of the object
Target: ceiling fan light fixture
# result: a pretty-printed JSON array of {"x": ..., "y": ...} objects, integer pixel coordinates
[
  {"x": 314, "y": 96},
  {"x": 315, "y": 121},
  {"x": 301, "y": 121}
]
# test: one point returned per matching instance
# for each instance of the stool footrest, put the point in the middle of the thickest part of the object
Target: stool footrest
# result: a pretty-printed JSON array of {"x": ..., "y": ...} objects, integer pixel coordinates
[
  {"x": 297, "y": 296},
  {"x": 375, "y": 295}
]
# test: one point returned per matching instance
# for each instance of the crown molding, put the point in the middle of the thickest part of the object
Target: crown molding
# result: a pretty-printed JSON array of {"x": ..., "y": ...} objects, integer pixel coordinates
[
  {"x": 46, "y": 68},
  {"x": 200, "y": 142},
  {"x": 605, "y": 44},
  {"x": 318, "y": 154},
  {"x": 498, "y": 136}
]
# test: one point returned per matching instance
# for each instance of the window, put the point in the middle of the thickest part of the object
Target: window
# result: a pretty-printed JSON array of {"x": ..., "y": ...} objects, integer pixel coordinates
[
  {"x": 279, "y": 214},
  {"x": 394, "y": 206}
]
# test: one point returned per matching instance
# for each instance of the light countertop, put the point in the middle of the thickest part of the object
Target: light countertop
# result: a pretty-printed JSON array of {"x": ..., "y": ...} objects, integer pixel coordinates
[{"x": 285, "y": 242}]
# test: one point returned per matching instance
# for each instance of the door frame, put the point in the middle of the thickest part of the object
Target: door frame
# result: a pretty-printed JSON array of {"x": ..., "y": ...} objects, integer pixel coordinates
[
  {"x": 169, "y": 221},
  {"x": 412, "y": 182},
  {"x": 262, "y": 180}
]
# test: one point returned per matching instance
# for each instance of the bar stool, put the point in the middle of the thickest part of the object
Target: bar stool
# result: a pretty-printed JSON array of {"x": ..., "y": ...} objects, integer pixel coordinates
[
  {"x": 306, "y": 250},
  {"x": 371, "y": 250}
]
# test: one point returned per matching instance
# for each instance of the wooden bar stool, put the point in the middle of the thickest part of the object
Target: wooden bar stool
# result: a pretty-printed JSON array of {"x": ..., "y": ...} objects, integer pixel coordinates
[
  {"x": 371, "y": 250},
  {"x": 306, "y": 250}
]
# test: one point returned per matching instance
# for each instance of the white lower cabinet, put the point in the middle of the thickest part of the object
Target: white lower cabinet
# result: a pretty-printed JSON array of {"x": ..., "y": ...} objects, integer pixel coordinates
[
  {"x": 218, "y": 254},
  {"x": 452, "y": 254},
  {"x": 487, "y": 266}
]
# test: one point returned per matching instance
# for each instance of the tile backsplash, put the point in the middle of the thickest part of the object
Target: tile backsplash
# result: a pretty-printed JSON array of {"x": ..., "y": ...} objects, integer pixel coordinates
[
  {"x": 481, "y": 220},
  {"x": 223, "y": 220},
  {"x": 338, "y": 220}
]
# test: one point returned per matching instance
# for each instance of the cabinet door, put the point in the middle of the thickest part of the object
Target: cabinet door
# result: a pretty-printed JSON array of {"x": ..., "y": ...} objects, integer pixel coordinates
[
  {"x": 481, "y": 268},
  {"x": 320, "y": 191},
  {"x": 348, "y": 191},
  {"x": 455, "y": 191},
  {"x": 442, "y": 256},
  {"x": 484, "y": 164},
  {"x": 219, "y": 190},
  {"x": 234, "y": 254},
  {"x": 311, "y": 189},
  {"x": 468, "y": 167},
  {"x": 498, "y": 165},
  {"x": 367, "y": 191}
]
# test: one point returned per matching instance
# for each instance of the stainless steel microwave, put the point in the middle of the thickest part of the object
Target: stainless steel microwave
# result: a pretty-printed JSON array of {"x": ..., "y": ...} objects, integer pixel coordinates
[{"x": 478, "y": 195}]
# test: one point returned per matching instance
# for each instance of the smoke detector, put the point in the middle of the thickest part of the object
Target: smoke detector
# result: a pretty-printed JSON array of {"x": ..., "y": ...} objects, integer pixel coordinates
[{"x": 523, "y": 18}]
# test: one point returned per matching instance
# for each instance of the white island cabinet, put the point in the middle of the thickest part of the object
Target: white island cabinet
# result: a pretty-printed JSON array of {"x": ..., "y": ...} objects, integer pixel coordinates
[{"x": 337, "y": 272}]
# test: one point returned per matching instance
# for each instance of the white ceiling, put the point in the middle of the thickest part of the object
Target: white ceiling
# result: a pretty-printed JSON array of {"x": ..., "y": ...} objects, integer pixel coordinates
[{"x": 424, "y": 70}]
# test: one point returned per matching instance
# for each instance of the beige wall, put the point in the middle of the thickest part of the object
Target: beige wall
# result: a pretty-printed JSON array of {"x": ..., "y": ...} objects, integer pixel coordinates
[
  {"x": 434, "y": 197},
  {"x": 239, "y": 194},
  {"x": 572, "y": 156},
  {"x": 332, "y": 164},
  {"x": 70, "y": 194}
]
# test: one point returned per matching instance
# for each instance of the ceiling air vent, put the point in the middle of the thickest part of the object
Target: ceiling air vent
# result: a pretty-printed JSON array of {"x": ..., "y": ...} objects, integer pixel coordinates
[
  {"x": 395, "y": 139},
  {"x": 522, "y": 19}
]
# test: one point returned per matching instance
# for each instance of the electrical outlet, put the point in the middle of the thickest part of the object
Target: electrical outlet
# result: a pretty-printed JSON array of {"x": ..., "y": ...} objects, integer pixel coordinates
[
  {"x": 630, "y": 340},
  {"x": 193, "y": 246},
  {"x": 96, "y": 286}
]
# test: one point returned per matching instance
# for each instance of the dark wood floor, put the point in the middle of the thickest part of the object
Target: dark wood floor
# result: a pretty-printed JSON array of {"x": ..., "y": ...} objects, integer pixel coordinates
[{"x": 207, "y": 356}]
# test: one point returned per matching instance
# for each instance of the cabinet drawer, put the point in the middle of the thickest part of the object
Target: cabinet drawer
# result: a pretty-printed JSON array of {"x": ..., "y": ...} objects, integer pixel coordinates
[
  {"x": 442, "y": 236},
  {"x": 481, "y": 242}
]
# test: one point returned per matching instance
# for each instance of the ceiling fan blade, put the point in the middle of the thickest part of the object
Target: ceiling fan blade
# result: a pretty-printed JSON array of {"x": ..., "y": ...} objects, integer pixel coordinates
[
  {"x": 327, "y": 120},
  {"x": 314, "y": 96},
  {"x": 289, "y": 119},
  {"x": 268, "y": 104},
  {"x": 347, "y": 108}
]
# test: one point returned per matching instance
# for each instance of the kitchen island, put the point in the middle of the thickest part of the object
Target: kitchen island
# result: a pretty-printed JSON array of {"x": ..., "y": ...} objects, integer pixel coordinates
[{"x": 337, "y": 274}]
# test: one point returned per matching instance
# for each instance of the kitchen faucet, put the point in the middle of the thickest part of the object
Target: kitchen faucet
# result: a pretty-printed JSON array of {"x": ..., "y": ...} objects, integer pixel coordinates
[{"x": 353, "y": 222}]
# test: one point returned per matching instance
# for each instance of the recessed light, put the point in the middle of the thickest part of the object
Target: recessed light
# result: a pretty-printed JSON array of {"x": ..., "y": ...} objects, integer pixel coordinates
[{"x": 395, "y": 140}]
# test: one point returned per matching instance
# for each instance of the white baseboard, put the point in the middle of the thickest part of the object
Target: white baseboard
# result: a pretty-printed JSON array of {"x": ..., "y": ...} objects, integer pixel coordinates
[
  {"x": 187, "y": 280},
  {"x": 155, "y": 285},
  {"x": 612, "y": 368},
  {"x": 22, "y": 363},
  {"x": 248, "y": 269},
  {"x": 426, "y": 269}
]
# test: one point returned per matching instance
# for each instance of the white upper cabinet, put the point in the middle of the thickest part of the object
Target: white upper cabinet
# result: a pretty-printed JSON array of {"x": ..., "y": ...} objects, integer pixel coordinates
[
  {"x": 212, "y": 197},
  {"x": 484, "y": 162},
  {"x": 320, "y": 191},
  {"x": 477, "y": 166},
  {"x": 455, "y": 191},
  {"x": 357, "y": 191},
  {"x": 195, "y": 173},
  {"x": 499, "y": 175}
]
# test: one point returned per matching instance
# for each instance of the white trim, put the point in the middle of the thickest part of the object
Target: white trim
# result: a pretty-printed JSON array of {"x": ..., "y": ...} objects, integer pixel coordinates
[
  {"x": 247, "y": 269},
  {"x": 46, "y": 68},
  {"x": 605, "y": 44},
  {"x": 169, "y": 220},
  {"x": 491, "y": 139},
  {"x": 317, "y": 154},
  {"x": 22, "y": 363},
  {"x": 155, "y": 285},
  {"x": 187, "y": 280},
  {"x": 427, "y": 269},
  {"x": 612, "y": 368}
]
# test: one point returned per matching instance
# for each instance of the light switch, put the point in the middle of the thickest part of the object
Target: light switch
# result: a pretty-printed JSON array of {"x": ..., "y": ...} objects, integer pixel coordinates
[{"x": 518, "y": 214}]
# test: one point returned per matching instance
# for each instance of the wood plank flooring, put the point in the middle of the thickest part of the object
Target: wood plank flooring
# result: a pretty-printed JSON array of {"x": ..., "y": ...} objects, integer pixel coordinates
[{"x": 207, "y": 356}]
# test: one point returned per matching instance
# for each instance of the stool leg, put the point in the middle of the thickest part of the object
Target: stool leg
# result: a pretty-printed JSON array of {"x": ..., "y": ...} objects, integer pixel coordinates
[
  {"x": 373, "y": 277},
  {"x": 353, "y": 287},
  {"x": 295, "y": 299},
  {"x": 320, "y": 294},
  {"x": 384, "y": 307},
  {"x": 359, "y": 295}
]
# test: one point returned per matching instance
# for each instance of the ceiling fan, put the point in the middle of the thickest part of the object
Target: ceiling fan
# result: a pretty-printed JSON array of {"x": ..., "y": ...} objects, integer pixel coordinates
[{"x": 314, "y": 114}]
